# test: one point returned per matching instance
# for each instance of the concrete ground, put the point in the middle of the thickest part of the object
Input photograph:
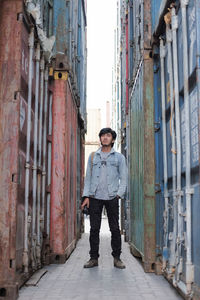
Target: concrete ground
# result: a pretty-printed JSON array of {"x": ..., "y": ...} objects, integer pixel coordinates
[{"x": 71, "y": 281}]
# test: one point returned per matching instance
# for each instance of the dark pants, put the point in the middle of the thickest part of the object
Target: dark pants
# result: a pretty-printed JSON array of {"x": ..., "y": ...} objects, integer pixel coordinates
[{"x": 112, "y": 208}]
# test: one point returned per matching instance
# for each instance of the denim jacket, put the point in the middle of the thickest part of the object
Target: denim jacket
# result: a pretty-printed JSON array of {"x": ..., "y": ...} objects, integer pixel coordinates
[{"x": 116, "y": 174}]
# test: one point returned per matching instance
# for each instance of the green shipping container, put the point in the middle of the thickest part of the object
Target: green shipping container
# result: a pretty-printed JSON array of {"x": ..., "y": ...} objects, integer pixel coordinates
[{"x": 142, "y": 165}]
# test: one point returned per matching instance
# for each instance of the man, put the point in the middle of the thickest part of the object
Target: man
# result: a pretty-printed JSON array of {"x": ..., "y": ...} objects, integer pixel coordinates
[{"x": 105, "y": 183}]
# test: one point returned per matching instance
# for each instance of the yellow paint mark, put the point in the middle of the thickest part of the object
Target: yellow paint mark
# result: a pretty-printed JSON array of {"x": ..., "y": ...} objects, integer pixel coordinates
[
  {"x": 50, "y": 71},
  {"x": 60, "y": 75}
]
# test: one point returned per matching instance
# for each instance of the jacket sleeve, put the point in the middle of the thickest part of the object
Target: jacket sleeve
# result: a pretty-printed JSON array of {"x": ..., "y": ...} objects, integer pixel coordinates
[
  {"x": 122, "y": 177},
  {"x": 87, "y": 180}
]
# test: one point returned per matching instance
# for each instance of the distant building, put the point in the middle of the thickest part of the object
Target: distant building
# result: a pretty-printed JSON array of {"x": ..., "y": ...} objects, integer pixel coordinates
[
  {"x": 108, "y": 120},
  {"x": 93, "y": 127}
]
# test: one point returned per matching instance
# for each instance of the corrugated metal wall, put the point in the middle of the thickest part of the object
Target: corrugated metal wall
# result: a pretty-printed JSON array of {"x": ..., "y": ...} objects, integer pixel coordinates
[
  {"x": 177, "y": 77},
  {"x": 25, "y": 90},
  {"x": 123, "y": 26},
  {"x": 42, "y": 130},
  {"x": 141, "y": 132},
  {"x": 163, "y": 97},
  {"x": 69, "y": 119},
  {"x": 9, "y": 136}
]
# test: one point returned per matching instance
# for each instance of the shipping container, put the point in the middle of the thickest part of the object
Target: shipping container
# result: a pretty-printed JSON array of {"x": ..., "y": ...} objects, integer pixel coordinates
[
  {"x": 176, "y": 80},
  {"x": 69, "y": 121},
  {"x": 42, "y": 131},
  {"x": 140, "y": 131},
  {"x": 64, "y": 172},
  {"x": 161, "y": 135},
  {"x": 120, "y": 96},
  {"x": 24, "y": 89},
  {"x": 9, "y": 135}
]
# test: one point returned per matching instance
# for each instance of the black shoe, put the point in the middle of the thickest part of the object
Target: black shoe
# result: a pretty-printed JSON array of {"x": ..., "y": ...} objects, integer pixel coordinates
[{"x": 91, "y": 263}]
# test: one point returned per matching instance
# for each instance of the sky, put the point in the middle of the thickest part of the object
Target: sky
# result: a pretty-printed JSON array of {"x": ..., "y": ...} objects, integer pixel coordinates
[{"x": 101, "y": 21}]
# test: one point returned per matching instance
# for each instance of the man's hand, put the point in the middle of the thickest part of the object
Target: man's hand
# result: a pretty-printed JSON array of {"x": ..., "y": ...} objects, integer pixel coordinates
[{"x": 85, "y": 202}]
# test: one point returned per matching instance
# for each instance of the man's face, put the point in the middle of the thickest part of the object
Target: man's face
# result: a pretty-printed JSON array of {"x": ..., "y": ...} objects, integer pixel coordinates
[{"x": 106, "y": 139}]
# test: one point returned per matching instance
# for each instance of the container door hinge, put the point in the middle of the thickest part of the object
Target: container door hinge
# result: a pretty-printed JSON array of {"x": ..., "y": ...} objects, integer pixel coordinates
[
  {"x": 184, "y": 215},
  {"x": 189, "y": 191}
]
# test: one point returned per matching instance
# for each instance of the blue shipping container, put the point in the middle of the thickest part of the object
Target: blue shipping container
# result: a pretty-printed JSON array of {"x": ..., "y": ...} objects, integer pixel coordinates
[{"x": 176, "y": 95}]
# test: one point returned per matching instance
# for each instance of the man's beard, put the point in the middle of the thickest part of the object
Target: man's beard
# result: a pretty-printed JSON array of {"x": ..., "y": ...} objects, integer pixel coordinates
[{"x": 106, "y": 145}]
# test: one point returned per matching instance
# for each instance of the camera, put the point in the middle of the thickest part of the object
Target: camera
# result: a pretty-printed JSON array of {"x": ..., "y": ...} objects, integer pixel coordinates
[{"x": 86, "y": 210}]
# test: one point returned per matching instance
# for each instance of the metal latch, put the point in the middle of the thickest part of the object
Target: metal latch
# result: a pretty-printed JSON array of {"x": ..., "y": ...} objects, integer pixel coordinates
[
  {"x": 157, "y": 188},
  {"x": 156, "y": 126}
]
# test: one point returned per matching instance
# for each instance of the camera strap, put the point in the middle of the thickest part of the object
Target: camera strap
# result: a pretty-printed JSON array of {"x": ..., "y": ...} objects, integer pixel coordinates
[{"x": 92, "y": 158}]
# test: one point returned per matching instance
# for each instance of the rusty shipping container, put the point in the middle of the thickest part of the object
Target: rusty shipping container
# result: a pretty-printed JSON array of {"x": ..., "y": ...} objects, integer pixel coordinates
[
  {"x": 23, "y": 211},
  {"x": 42, "y": 109},
  {"x": 64, "y": 172},
  {"x": 69, "y": 120},
  {"x": 9, "y": 135}
]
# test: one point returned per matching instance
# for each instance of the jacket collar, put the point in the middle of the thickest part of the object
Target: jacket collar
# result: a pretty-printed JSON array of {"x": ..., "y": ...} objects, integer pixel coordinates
[{"x": 111, "y": 151}]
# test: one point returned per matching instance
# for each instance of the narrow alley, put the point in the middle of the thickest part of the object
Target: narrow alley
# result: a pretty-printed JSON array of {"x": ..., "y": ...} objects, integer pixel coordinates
[
  {"x": 71, "y": 281},
  {"x": 99, "y": 101}
]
